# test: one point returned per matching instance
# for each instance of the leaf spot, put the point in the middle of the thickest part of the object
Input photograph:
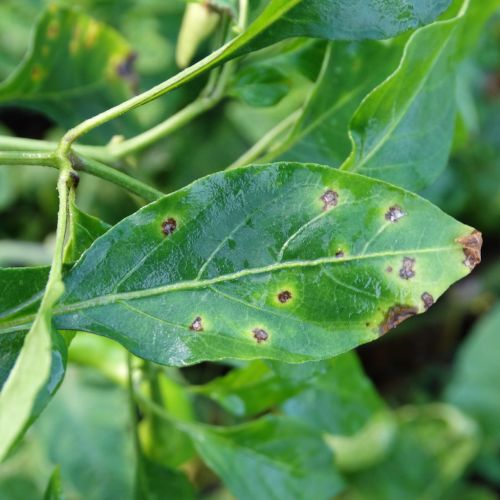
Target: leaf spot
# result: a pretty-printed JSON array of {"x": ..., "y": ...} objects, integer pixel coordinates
[
  {"x": 197, "y": 325},
  {"x": 389, "y": 269},
  {"x": 340, "y": 254},
  {"x": 330, "y": 199},
  {"x": 53, "y": 29},
  {"x": 37, "y": 73},
  {"x": 75, "y": 179},
  {"x": 284, "y": 296},
  {"x": 260, "y": 335},
  {"x": 472, "y": 248},
  {"x": 427, "y": 299},
  {"x": 395, "y": 316},
  {"x": 168, "y": 226},
  {"x": 407, "y": 271},
  {"x": 394, "y": 213}
]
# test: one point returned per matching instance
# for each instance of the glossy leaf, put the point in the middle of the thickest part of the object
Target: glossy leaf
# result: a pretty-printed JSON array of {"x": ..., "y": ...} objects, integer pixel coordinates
[
  {"x": 393, "y": 136},
  {"x": 346, "y": 20},
  {"x": 269, "y": 458},
  {"x": 75, "y": 68},
  {"x": 241, "y": 264},
  {"x": 474, "y": 386}
]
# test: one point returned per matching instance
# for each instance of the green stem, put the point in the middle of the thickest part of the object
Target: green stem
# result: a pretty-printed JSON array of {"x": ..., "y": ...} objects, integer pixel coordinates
[
  {"x": 98, "y": 169},
  {"x": 259, "y": 149},
  {"x": 27, "y": 158}
]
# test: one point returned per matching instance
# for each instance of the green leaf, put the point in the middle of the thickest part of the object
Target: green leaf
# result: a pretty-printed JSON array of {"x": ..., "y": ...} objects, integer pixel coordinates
[
  {"x": 341, "y": 20},
  {"x": 84, "y": 229},
  {"x": 273, "y": 457},
  {"x": 474, "y": 387},
  {"x": 341, "y": 401},
  {"x": 431, "y": 449},
  {"x": 238, "y": 264},
  {"x": 393, "y": 135},
  {"x": 350, "y": 70},
  {"x": 75, "y": 68},
  {"x": 260, "y": 85},
  {"x": 259, "y": 386},
  {"x": 54, "y": 489}
]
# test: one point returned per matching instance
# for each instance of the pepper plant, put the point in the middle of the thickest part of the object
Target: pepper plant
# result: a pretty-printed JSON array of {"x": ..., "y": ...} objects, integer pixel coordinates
[{"x": 296, "y": 250}]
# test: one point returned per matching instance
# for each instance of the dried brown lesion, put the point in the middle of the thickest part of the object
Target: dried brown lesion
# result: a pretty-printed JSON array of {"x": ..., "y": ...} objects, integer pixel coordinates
[
  {"x": 471, "y": 244},
  {"x": 330, "y": 199},
  {"x": 427, "y": 299},
  {"x": 395, "y": 316},
  {"x": 260, "y": 335},
  {"x": 407, "y": 270},
  {"x": 197, "y": 324}
]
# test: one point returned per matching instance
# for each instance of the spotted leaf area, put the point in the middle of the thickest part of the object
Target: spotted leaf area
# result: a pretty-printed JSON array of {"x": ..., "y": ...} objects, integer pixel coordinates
[
  {"x": 253, "y": 267},
  {"x": 75, "y": 68}
]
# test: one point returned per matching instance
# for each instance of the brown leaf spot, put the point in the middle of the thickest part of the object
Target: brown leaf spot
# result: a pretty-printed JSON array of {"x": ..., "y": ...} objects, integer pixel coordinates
[
  {"x": 395, "y": 316},
  {"x": 428, "y": 300},
  {"x": 168, "y": 226},
  {"x": 407, "y": 271},
  {"x": 260, "y": 335},
  {"x": 394, "y": 213},
  {"x": 37, "y": 73},
  {"x": 472, "y": 248},
  {"x": 340, "y": 254},
  {"x": 389, "y": 269},
  {"x": 330, "y": 199},
  {"x": 196, "y": 325},
  {"x": 127, "y": 71},
  {"x": 284, "y": 296},
  {"x": 53, "y": 29}
]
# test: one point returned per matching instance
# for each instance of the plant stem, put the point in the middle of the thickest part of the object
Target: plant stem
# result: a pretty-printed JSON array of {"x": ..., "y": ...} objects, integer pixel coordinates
[
  {"x": 243, "y": 14},
  {"x": 125, "y": 181},
  {"x": 27, "y": 158},
  {"x": 256, "y": 152}
]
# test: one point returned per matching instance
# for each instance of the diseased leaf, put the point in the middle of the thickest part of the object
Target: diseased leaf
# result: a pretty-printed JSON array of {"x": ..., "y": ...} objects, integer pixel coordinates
[
  {"x": 397, "y": 134},
  {"x": 75, "y": 68},
  {"x": 286, "y": 261},
  {"x": 272, "y": 457}
]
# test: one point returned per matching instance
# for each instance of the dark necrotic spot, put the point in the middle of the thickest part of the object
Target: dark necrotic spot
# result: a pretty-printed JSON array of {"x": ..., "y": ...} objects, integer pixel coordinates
[
  {"x": 196, "y": 325},
  {"x": 389, "y": 269},
  {"x": 472, "y": 248},
  {"x": 395, "y": 316},
  {"x": 75, "y": 179},
  {"x": 407, "y": 271},
  {"x": 394, "y": 213},
  {"x": 260, "y": 335},
  {"x": 427, "y": 299},
  {"x": 284, "y": 296},
  {"x": 168, "y": 226},
  {"x": 339, "y": 254},
  {"x": 330, "y": 199}
]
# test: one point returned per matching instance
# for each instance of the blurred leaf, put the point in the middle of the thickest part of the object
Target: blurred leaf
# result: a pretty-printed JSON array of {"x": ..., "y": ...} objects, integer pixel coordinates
[
  {"x": 75, "y": 68},
  {"x": 273, "y": 457},
  {"x": 54, "y": 489},
  {"x": 260, "y": 86},
  {"x": 214, "y": 252},
  {"x": 156, "y": 482},
  {"x": 433, "y": 446},
  {"x": 340, "y": 401},
  {"x": 474, "y": 387}
]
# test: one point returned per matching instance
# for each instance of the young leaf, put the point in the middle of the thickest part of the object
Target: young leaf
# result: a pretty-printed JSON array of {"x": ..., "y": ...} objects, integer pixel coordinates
[
  {"x": 393, "y": 137},
  {"x": 76, "y": 67},
  {"x": 54, "y": 489},
  {"x": 287, "y": 261},
  {"x": 272, "y": 457}
]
